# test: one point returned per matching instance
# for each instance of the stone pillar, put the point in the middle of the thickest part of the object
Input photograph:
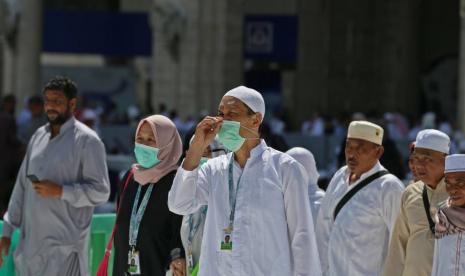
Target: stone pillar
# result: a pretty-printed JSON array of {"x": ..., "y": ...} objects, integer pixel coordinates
[
  {"x": 461, "y": 74},
  {"x": 29, "y": 48},
  {"x": 8, "y": 28},
  {"x": 312, "y": 87},
  {"x": 2, "y": 42},
  {"x": 197, "y": 53},
  {"x": 352, "y": 54}
]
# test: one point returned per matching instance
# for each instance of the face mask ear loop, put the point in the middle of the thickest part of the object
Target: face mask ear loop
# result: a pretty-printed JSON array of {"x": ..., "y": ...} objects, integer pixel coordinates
[{"x": 253, "y": 131}]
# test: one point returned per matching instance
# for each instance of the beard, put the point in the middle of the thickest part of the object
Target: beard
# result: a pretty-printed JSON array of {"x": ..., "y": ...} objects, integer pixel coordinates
[{"x": 57, "y": 119}]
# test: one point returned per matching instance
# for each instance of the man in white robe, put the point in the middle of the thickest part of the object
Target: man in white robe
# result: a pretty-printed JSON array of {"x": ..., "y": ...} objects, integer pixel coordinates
[
  {"x": 449, "y": 249},
  {"x": 270, "y": 229},
  {"x": 355, "y": 242}
]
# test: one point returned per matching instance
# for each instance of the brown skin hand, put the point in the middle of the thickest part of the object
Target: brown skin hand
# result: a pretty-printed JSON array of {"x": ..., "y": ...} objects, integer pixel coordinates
[{"x": 231, "y": 109}]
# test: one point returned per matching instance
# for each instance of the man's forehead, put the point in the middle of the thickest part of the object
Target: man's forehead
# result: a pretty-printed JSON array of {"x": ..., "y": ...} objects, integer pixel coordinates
[
  {"x": 455, "y": 175},
  {"x": 54, "y": 93},
  {"x": 359, "y": 142},
  {"x": 427, "y": 152},
  {"x": 230, "y": 102}
]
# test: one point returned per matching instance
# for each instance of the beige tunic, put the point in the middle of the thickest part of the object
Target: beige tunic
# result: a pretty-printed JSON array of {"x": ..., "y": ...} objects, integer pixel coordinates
[{"x": 412, "y": 243}]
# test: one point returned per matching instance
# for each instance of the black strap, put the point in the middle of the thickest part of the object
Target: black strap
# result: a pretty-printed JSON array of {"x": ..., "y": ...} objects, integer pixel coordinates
[
  {"x": 427, "y": 208},
  {"x": 357, "y": 188}
]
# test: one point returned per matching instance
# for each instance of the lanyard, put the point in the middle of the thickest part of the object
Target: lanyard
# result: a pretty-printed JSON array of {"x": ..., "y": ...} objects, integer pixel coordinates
[
  {"x": 193, "y": 228},
  {"x": 137, "y": 214},
  {"x": 232, "y": 194}
]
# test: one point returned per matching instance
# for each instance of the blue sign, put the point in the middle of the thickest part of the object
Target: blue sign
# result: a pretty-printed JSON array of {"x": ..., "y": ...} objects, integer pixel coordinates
[
  {"x": 97, "y": 32},
  {"x": 271, "y": 37}
]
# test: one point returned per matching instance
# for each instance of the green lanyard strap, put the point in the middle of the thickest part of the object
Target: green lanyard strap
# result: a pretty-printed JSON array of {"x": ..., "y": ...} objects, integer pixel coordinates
[
  {"x": 232, "y": 193},
  {"x": 137, "y": 214}
]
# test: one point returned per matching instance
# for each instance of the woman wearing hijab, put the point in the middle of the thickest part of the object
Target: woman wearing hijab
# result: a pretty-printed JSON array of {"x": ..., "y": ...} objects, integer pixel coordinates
[
  {"x": 147, "y": 239},
  {"x": 306, "y": 159},
  {"x": 449, "y": 249},
  {"x": 193, "y": 224}
]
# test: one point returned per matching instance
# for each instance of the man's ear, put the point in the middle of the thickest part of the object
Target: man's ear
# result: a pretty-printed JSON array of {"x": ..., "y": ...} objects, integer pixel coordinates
[
  {"x": 257, "y": 121},
  {"x": 73, "y": 104},
  {"x": 380, "y": 151}
]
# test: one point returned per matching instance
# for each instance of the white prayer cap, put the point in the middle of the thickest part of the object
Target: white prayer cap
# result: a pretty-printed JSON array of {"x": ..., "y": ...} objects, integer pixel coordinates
[
  {"x": 252, "y": 98},
  {"x": 455, "y": 163},
  {"x": 306, "y": 159},
  {"x": 434, "y": 140},
  {"x": 366, "y": 131}
]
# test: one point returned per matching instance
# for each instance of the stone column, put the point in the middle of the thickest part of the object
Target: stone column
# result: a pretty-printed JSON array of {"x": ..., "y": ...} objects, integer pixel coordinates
[
  {"x": 2, "y": 42},
  {"x": 352, "y": 54},
  {"x": 29, "y": 48},
  {"x": 197, "y": 53},
  {"x": 461, "y": 73}
]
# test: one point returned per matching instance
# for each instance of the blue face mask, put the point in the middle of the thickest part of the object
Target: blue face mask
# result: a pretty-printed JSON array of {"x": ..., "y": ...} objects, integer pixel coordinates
[
  {"x": 229, "y": 135},
  {"x": 146, "y": 156}
]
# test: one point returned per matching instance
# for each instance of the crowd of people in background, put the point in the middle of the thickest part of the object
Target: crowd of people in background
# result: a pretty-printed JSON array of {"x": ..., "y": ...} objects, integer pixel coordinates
[
  {"x": 19, "y": 127},
  {"x": 398, "y": 127}
]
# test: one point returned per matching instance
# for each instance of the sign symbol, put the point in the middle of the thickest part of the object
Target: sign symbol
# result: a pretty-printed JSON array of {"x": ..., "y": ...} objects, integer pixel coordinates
[{"x": 259, "y": 37}]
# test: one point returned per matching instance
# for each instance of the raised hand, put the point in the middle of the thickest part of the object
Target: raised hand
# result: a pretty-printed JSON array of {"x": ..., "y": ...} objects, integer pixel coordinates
[{"x": 205, "y": 133}]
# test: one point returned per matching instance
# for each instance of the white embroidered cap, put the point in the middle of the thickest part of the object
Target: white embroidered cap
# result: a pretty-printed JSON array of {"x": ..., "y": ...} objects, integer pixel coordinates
[
  {"x": 434, "y": 140},
  {"x": 252, "y": 98},
  {"x": 455, "y": 163},
  {"x": 366, "y": 131}
]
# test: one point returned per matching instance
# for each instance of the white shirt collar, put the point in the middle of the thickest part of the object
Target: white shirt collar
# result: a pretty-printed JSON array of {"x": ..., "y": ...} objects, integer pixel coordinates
[
  {"x": 254, "y": 153},
  {"x": 259, "y": 149}
]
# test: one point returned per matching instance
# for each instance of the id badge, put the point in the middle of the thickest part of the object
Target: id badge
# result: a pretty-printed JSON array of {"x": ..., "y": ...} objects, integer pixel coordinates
[
  {"x": 226, "y": 242},
  {"x": 133, "y": 262},
  {"x": 190, "y": 262}
]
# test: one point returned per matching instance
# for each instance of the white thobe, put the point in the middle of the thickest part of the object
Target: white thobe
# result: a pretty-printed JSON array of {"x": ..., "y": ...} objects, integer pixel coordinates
[
  {"x": 449, "y": 255},
  {"x": 273, "y": 226},
  {"x": 55, "y": 232},
  {"x": 356, "y": 243},
  {"x": 197, "y": 226},
  {"x": 315, "y": 195}
]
